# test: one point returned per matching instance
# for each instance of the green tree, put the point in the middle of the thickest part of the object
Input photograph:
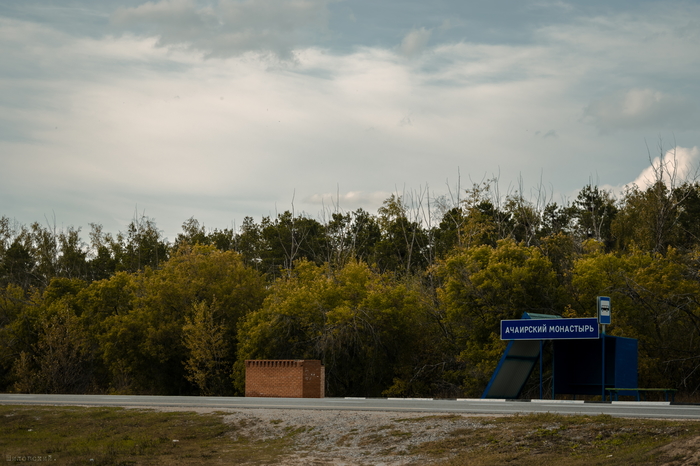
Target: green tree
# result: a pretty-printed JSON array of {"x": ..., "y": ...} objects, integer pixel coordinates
[
  {"x": 483, "y": 285},
  {"x": 657, "y": 217},
  {"x": 289, "y": 238},
  {"x": 102, "y": 262},
  {"x": 192, "y": 234},
  {"x": 687, "y": 237},
  {"x": 364, "y": 235},
  {"x": 18, "y": 265},
  {"x": 61, "y": 359},
  {"x": 223, "y": 240},
  {"x": 143, "y": 346},
  {"x": 593, "y": 212},
  {"x": 525, "y": 218},
  {"x": 556, "y": 220},
  {"x": 339, "y": 239},
  {"x": 368, "y": 329},
  {"x": 72, "y": 258},
  {"x": 141, "y": 246},
  {"x": 249, "y": 243},
  {"x": 403, "y": 244},
  {"x": 13, "y": 302},
  {"x": 655, "y": 299},
  {"x": 46, "y": 343},
  {"x": 208, "y": 363},
  {"x": 44, "y": 250}
]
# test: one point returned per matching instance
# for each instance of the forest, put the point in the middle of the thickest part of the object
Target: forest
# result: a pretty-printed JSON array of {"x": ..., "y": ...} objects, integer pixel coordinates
[{"x": 404, "y": 303}]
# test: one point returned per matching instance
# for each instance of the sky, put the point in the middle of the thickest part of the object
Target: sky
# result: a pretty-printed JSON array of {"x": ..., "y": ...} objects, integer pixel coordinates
[{"x": 223, "y": 109}]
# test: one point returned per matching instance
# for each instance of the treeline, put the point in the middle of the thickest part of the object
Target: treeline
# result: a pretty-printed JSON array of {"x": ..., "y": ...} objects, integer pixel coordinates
[{"x": 406, "y": 302}]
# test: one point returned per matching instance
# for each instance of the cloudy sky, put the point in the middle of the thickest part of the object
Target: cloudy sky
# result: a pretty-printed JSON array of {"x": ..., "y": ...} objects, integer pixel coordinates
[{"x": 220, "y": 109}]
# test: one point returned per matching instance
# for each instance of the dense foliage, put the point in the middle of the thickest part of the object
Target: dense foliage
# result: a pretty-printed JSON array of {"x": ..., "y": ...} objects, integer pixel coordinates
[{"x": 402, "y": 303}]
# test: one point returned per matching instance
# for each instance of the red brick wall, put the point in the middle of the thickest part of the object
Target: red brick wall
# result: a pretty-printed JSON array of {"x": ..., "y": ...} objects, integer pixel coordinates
[
  {"x": 285, "y": 378},
  {"x": 314, "y": 379}
]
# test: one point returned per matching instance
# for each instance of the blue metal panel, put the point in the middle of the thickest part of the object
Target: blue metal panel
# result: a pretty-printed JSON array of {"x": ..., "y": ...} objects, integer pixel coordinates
[
  {"x": 516, "y": 364},
  {"x": 513, "y": 369},
  {"x": 578, "y": 365},
  {"x": 626, "y": 350}
]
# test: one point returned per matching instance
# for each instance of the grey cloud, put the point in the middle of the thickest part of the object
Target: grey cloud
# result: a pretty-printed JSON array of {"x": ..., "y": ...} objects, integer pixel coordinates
[
  {"x": 350, "y": 200},
  {"x": 415, "y": 41},
  {"x": 690, "y": 30},
  {"x": 641, "y": 109},
  {"x": 226, "y": 28}
]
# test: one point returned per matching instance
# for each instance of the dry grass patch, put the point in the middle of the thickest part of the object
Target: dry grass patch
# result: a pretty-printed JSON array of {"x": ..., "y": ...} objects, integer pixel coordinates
[
  {"x": 115, "y": 436},
  {"x": 543, "y": 439}
]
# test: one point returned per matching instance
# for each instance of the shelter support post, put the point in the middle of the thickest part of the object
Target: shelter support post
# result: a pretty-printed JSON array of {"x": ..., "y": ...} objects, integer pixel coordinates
[{"x": 541, "y": 391}]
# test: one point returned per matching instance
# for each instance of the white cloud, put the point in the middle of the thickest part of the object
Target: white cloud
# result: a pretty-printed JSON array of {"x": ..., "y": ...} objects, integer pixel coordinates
[
  {"x": 227, "y": 28},
  {"x": 640, "y": 109},
  {"x": 673, "y": 167},
  {"x": 415, "y": 41}
]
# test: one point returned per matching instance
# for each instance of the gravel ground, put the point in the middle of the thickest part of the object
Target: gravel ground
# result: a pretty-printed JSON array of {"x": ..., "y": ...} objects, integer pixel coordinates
[
  {"x": 385, "y": 438},
  {"x": 345, "y": 438},
  {"x": 350, "y": 437}
]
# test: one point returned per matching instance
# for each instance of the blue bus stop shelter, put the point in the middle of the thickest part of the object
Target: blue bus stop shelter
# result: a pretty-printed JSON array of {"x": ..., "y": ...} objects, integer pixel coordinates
[{"x": 578, "y": 364}]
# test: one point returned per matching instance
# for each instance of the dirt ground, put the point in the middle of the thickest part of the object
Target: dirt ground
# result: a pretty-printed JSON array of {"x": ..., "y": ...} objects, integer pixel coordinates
[
  {"x": 345, "y": 438},
  {"x": 685, "y": 452}
]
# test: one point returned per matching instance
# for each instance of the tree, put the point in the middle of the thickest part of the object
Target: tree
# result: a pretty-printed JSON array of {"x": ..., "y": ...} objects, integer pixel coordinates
[
  {"x": 655, "y": 299},
  {"x": 249, "y": 243},
  {"x": 207, "y": 364},
  {"x": 556, "y": 219},
  {"x": 448, "y": 233},
  {"x": 13, "y": 302},
  {"x": 593, "y": 212},
  {"x": 525, "y": 218},
  {"x": 223, "y": 240},
  {"x": 364, "y": 236},
  {"x": 687, "y": 235},
  {"x": 47, "y": 342},
  {"x": 61, "y": 359},
  {"x": 653, "y": 218},
  {"x": 192, "y": 234},
  {"x": 143, "y": 346},
  {"x": 369, "y": 330},
  {"x": 72, "y": 259},
  {"x": 483, "y": 285},
  {"x": 658, "y": 217},
  {"x": 289, "y": 238},
  {"x": 141, "y": 246},
  {"x": 102, "y": 262},
  {"x": 339, "y": 240},
  {"x": 18, "y": 265},
  {"x": 402, "y": 244},
  {"x": 44, "y": 250}
]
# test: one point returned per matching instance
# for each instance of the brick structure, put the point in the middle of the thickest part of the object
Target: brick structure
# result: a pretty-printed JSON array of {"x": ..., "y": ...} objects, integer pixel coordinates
[{"x": 285, "y": 378}]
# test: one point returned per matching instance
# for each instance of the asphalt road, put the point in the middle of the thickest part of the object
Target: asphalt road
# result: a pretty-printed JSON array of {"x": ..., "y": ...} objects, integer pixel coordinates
[{"x": 662, "y": 410}]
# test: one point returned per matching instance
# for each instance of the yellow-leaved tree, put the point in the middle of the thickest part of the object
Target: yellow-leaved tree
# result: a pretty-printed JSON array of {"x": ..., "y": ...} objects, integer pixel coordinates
[{"x": 204, "y": 335}]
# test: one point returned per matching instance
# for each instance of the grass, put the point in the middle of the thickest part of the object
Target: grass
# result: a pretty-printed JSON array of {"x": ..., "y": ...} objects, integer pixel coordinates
[
  {"x": 116, "y": 436},
  {"x": 549, "y": 439}
]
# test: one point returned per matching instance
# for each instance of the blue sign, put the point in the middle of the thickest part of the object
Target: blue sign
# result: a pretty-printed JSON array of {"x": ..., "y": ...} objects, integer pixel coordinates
[
  {"x": 604, "y": 310},
  {"x": 549, "y": 329}
]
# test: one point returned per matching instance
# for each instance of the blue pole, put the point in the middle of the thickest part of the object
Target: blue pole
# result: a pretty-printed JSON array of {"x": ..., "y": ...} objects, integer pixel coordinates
[
  {"x": 541, "y": 393},
  {"x": 553, "y": 379},
  {"x": 603, "y": 364}
]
